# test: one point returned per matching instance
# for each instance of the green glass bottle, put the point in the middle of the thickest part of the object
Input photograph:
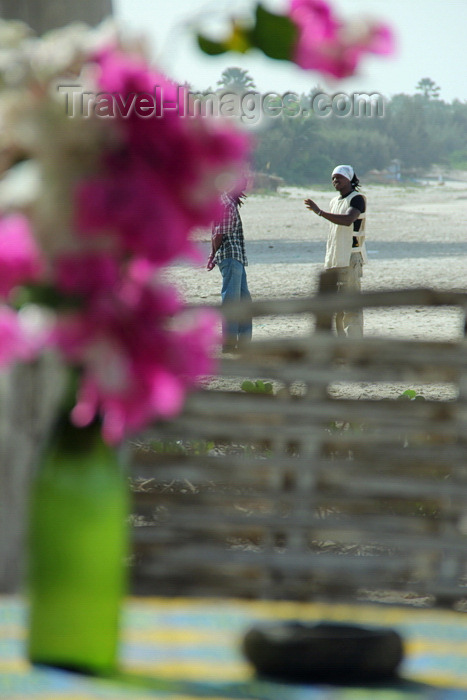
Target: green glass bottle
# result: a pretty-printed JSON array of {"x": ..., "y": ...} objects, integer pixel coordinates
[{"x": 77, "y": 551}]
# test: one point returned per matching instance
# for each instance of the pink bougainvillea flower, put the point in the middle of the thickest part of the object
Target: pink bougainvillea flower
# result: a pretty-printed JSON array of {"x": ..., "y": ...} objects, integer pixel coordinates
[
  {"x": 117, "y": 199},
  {"x": 85, "y": 274},
  {"x": 379, "y": 39},
  {"x": 332, "y": 46},
  {"x": 163, "y": 175},
  {"x": 20, "y": 260},
  {"x": 137, "y": 354},
  {"x": 315, "y": 18},
  {"x": 14, "y": 342}
]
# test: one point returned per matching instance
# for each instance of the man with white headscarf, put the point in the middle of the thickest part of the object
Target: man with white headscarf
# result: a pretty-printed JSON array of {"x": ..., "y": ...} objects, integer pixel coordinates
[{"x": 345, "y": 249}]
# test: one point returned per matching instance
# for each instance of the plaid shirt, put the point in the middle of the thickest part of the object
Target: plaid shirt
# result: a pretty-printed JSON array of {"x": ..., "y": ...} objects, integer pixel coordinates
[{"x": 233, "y": 243}]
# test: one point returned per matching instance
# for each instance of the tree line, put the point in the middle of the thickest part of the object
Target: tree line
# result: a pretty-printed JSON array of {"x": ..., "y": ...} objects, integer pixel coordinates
[
  {"x": 418, "y": 130},
  {"x": 302, "y": 145}
]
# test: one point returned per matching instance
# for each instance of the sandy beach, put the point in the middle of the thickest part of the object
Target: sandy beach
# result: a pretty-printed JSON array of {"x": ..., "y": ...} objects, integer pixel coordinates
[{"x": 415, "y": 238}]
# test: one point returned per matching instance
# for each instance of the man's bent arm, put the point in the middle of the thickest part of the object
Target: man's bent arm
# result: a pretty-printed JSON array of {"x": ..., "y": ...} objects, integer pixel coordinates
[{"x": 346, "y": 219}]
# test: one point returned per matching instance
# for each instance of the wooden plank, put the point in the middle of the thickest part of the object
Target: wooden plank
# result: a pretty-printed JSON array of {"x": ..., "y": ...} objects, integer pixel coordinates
[{"x": 305, "y": 494}]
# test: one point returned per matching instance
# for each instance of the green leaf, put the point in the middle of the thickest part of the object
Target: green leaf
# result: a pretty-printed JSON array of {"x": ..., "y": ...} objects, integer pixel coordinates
[
  {"x": 248, "y": 386},
  {"x": 275, "y": 35},
  {"x": 410, "y": 393},
  {"x": 212, "y": 48},
  {"x": 45, "y": 295},
  {"x": 257, "y": 387},
  {"x": 239, "y": 40}
]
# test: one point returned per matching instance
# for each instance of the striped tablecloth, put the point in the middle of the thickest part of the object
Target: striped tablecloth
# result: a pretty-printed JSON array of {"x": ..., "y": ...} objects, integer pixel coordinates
[{"x": 186, "y": 649}]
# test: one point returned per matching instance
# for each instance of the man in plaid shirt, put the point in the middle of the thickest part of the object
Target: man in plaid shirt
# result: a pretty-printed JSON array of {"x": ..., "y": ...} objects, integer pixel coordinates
[{"x": 228, "y": 251}]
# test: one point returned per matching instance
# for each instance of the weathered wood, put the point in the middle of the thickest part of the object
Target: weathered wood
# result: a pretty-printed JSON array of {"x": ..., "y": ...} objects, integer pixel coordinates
[
  {"x": 302, "y": 495},
  {"x": 352, "y": 301},
  {"x": 327, "y": 285}
]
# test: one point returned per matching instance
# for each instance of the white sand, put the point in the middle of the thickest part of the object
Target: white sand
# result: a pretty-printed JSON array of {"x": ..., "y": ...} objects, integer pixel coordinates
[{"x": 416, "y": 237}]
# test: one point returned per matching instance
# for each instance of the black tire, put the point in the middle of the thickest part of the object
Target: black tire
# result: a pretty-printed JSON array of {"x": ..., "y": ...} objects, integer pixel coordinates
[{"x": 324, "y": 652}]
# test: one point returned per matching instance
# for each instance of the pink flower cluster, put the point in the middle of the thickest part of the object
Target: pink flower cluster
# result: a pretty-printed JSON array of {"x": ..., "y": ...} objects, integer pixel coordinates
[
  {"x": 138, "y": 354},
  {"x": 20, "y": 259},
  {"x": 332, "y": 46},
  {"x": 160, "y": 180},
  {"x": 136, "y": 347}
]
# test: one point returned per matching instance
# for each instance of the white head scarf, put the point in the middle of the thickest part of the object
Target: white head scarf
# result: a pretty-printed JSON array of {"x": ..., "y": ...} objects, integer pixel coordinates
[{"x": 345, "y": 170}]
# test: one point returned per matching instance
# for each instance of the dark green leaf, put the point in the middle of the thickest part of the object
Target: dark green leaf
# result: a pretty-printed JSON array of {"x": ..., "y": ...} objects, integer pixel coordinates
[
  {"x": 212, "y": 48},
  {"x": 275, "y": 35}
]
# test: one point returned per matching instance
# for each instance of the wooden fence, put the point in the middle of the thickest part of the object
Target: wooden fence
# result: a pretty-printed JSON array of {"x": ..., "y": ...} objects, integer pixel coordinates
[{"x": 307, "y": 493}]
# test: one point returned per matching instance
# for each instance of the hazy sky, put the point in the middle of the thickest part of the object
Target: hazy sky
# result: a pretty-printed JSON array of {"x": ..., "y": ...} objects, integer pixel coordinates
[{"x": 431, "y": 42}]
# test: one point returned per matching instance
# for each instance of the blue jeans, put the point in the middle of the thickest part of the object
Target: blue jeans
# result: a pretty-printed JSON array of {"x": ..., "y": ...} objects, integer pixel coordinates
[{"x": 234, "y": 288}]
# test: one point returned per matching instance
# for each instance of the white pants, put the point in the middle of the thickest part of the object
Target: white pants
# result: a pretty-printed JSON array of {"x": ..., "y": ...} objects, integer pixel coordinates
[{"x": 350, "y": 323}]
